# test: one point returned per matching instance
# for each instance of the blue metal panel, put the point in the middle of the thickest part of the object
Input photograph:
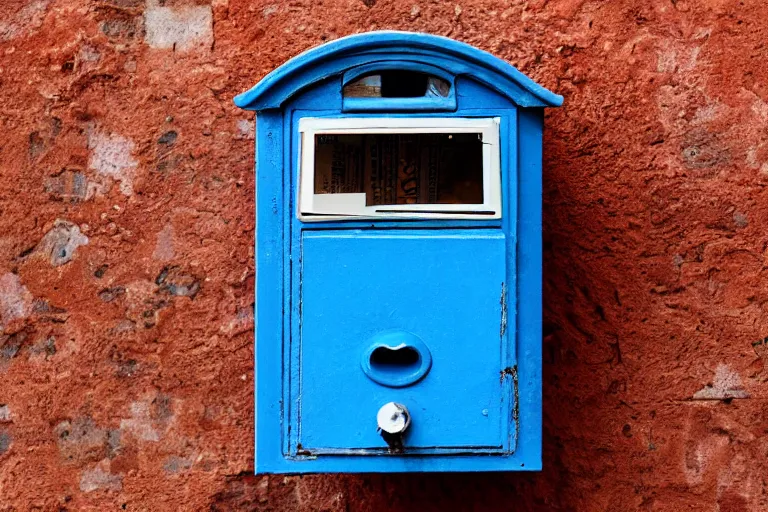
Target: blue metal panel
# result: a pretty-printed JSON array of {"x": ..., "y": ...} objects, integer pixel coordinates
[
  {"x": 529, "y": 285},
  {"x": 269, "y": 334},
  {"x": 325, "y": 95},
  {"x": 399, "y": 104},
  {"x": 472, "y": 94},
  {"x": 442, "y": 286},
  {"x": 328, "y": 294}
]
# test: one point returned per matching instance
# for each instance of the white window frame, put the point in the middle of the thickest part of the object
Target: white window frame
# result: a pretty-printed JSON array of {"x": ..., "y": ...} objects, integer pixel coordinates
[{"x": 324, "y": 207}]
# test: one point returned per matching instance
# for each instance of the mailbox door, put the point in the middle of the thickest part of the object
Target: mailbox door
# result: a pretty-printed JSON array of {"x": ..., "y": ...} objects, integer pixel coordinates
[{"x": 443, "y": 286}]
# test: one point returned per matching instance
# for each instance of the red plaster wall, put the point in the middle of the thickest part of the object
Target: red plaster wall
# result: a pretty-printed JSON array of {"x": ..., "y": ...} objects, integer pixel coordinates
[{"x": 126, "y": 234}]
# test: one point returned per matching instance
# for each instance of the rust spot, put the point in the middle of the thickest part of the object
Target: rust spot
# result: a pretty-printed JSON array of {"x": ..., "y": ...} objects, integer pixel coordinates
[
  {"x": 510, "y": 371},
  {"x": 394, "y": 441},
  {"x": 301, "y": 451}
]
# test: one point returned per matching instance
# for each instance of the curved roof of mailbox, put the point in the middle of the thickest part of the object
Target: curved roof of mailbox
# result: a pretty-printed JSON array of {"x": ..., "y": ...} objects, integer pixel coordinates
[{"x": 334, "y": 58}]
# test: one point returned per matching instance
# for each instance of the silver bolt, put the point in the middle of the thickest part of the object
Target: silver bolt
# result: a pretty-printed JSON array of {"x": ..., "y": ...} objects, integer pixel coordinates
[{"x": 393, "y": 418}]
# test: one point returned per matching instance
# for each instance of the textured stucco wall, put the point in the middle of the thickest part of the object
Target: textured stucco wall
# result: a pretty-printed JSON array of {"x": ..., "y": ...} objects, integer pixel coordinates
[{"x": 126, "y": 233}]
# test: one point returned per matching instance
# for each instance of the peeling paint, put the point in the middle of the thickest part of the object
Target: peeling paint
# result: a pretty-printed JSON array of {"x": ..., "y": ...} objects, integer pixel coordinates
[{"x": 503, "y": 301}]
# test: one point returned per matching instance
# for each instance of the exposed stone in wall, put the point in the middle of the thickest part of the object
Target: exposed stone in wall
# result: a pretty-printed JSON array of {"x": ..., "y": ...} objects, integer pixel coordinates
[
  {"x": 112, "y": 156},
  {"x": 164, "y": 247},
  {"x": 100, "y": 478},
  {"x": 15, "y": 300},
  {"x": 60, "y": 243},
  {"x": 126, "y": 362},
  {"x": 178, "y": 28},
  {"x": 725, "y": 385},
  {"x": 5, "y": 414}
]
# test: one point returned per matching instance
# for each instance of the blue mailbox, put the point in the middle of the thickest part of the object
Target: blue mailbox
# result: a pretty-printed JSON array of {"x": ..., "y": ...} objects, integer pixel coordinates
[{"x": 398, "y": 249}]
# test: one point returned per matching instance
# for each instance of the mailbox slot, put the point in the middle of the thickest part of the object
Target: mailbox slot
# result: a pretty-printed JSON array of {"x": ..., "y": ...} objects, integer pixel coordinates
[
  {"x": 423, "y": 168},
  {"x": 400, "y": 86},
  {"x": 397, "y": 84},
  {"x": 396, "y": 359}
]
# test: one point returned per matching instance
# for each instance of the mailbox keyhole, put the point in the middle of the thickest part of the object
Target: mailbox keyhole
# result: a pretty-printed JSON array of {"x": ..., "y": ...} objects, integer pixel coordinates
[{"x": 394, "y": 359}]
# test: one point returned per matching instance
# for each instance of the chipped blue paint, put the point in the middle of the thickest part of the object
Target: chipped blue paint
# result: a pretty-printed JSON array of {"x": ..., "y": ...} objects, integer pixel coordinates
[{"x": 468, "y": 290}]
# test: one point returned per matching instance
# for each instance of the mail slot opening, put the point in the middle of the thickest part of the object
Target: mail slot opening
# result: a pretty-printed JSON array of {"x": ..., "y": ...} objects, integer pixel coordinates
[
  {"x": 397, "y": 84},
  {"x": 394, "y": 359},
  {"x": 422, "y": 168}
]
